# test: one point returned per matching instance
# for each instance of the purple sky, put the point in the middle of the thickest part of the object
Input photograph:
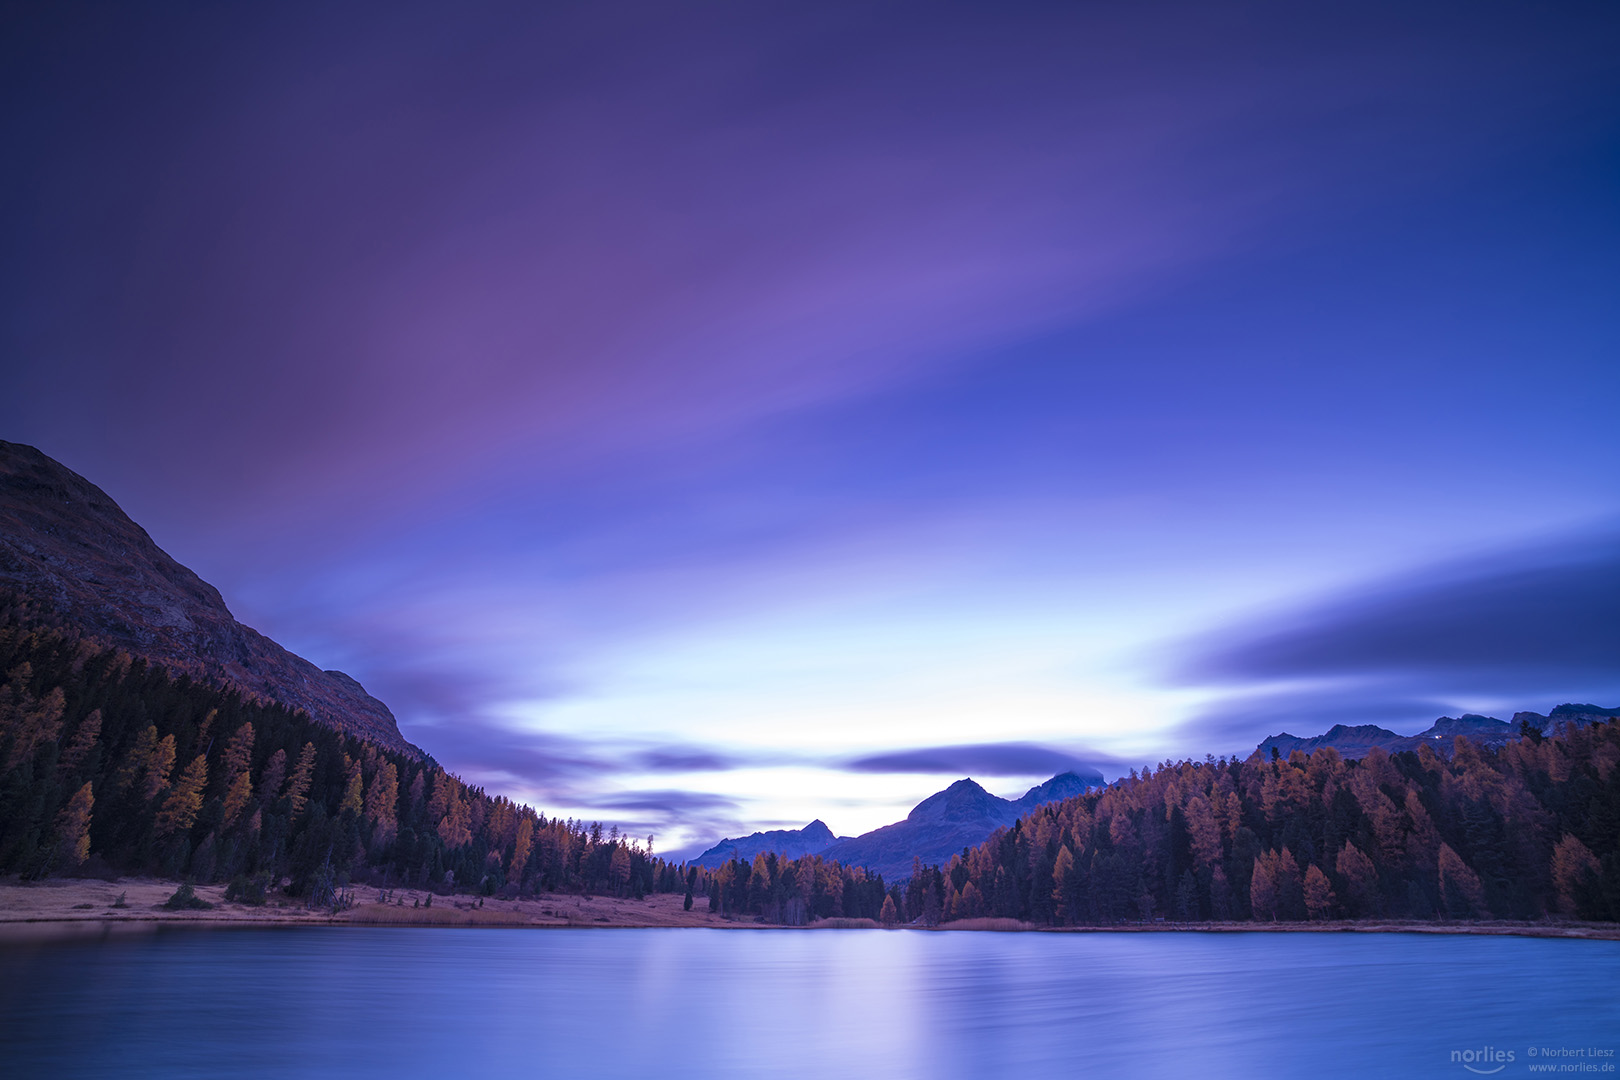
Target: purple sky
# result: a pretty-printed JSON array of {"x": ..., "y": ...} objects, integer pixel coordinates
[{"x": 673, "y": 410}]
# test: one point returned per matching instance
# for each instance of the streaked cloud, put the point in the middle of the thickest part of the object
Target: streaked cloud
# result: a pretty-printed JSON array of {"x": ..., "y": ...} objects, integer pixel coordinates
[
  {"x": 1508, "y": 621},
  {"x": 777, "y": 404}
]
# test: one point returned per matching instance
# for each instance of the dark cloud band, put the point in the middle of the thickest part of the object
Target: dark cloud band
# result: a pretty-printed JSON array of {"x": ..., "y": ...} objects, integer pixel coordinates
[
  {"x": 1511, "y": 622},
  {"x": 983, "y": 759}
]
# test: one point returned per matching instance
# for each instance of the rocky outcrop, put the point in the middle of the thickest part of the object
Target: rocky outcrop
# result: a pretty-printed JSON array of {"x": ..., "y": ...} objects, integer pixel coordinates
[
  {"x": 1353, "y": 741},
  {"x": 1577, "y": 715},
  {"x": 70, "y": 558}
]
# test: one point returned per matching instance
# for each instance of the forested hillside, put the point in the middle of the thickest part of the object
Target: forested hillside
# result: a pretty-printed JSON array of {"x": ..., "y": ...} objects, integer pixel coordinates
[
  {"x": 107, "y": 758},
  {"x": 1529, "y": 830},
  {"x": 1516, "y": 833},
  {"x": 111, "y": 765}
]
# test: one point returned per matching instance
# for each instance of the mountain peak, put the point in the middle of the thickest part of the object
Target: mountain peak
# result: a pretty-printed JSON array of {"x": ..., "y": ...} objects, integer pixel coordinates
[
  {"x": 75, "y": 560},
  {"x": 965, "y": 799},
  {"x": 1355, "y": 740},
  {"x": 963, "y": 815},
  {"x": 789, "y": 843}
]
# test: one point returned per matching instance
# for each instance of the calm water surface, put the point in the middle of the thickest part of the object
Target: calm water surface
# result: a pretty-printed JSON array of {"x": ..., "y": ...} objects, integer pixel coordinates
[{"x": 825, "y": 1004}]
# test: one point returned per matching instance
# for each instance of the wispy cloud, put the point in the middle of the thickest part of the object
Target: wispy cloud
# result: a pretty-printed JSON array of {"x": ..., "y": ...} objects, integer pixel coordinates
[
  {"x": 623, "y": 393},
  {"x": 669, "y": 801}
]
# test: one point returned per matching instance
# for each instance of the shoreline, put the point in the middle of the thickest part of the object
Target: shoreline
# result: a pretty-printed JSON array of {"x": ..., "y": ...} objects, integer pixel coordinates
[{"x": 36, "y": 909}]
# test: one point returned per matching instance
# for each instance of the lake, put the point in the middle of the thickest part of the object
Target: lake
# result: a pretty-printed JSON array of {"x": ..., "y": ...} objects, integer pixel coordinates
[{"x": 776, "y": 1003}]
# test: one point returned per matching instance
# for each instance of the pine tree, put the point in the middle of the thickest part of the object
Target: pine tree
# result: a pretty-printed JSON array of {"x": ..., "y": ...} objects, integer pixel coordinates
[
  {"x": 439, "y": 802},
  {"x": 136, "y": 761},
  {"x": 73, "y": 827},
  {"x": 78, "y": 750},
  {"x": 1065, "y": 885},
  {"x": 381, "y": 800},
  {"x": 455, "y": 828},
  {"x": 275, "y": 772},
  {"x": 353, "y": 793},
  {"x": 1360, "y": 880},
  {"x": 1220, "y": 895},
  {"x": 1319, "y": 898},
  {"x": 890, "y": 915},
  {"x": 180, "y": 809},
  {"x": 158, "y": 767},
  {"x": 1290, "y": 889},
  {"x": 237, "y": 798},
  {"x": 298, "y": 786},
  {"x": 619, "y": 868},
  {"x": 1460, "y": 889},
  {"x": 972, "y": 901},
  {"x": 1263, "y": 887},
  {"x": 28, "y": 720},
  {"x": 238, "y": 755},
  {"x": 1575, "y": 874},
  {"x": 524, "y": 844}
]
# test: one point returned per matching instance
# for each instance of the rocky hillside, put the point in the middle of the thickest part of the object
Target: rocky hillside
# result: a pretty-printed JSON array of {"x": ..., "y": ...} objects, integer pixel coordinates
[{"x": 71, "y": 559}]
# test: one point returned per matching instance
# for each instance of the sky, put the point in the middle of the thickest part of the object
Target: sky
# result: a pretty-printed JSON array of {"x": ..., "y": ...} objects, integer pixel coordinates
[{"x": 710, "y": 417}]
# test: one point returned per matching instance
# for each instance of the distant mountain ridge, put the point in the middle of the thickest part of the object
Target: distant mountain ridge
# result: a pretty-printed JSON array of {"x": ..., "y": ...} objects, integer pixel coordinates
[
  {"x": 963, "y": 815},
  {"x": 1356, "y": 740},
  {"x": 787, "y": 843},
  {"x": 71, "y": 559}
]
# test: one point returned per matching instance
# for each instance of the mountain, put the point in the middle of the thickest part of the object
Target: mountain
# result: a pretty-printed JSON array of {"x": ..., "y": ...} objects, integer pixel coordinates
[
  {"x": 788, "y": 843},
  {"x": 962, "y": 816},
  {"x": 1354, "y": 741},
  {"x": 1576, "y": 715},
  {"x": 71, "y": 559}
]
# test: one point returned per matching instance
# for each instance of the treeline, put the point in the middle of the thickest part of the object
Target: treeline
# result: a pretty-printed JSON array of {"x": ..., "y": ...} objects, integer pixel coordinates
[
  {"x": 793, "y": 892},
  {"x": 111, "y": 765},
  {"x": 1522, "y": 832}
]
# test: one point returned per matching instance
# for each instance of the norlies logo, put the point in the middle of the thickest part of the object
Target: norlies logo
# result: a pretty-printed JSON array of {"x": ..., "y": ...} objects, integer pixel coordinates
[{"x": 1484, "y": 1061}]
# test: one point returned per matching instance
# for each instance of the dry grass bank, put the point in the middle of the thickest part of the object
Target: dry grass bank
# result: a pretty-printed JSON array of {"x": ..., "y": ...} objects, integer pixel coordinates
[
  {"x": 95, "y": 904},
  {"x": 70, "y": 901},
  {"x": 999, "y": 925},
  {"x": 847, "y": 924}
]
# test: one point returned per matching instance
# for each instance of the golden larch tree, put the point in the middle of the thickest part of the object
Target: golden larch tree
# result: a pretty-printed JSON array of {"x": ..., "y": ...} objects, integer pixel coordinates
[
  {"x": 521, "y": 848},
  {"x": 1319, "y": 898},
  {"x": 298, "y": 786},
  {"x": 382, "y": 799},
  {"x": 136, "y": 760},
  {"x": 1460, "y": 887},
  {"x": 1575, "y": 869},
  {"x": 354, "y": 798},
  {"x": 238, "y": 754},
  {"x": 79, "y": 748},
  {"x": 158, "y": 768},
  {"x": 180, "y": 809},
  {"x": 237, "y": 798},
  {"x": 1263, "y": 887}
]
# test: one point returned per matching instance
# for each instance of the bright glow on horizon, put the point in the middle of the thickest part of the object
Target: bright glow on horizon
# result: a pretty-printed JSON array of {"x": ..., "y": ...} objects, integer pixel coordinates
[{"x": 662, "y": 410}]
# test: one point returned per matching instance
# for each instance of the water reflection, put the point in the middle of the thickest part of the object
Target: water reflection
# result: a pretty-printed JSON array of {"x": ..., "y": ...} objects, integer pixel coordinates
[{"x": 705, "y": 1003}]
